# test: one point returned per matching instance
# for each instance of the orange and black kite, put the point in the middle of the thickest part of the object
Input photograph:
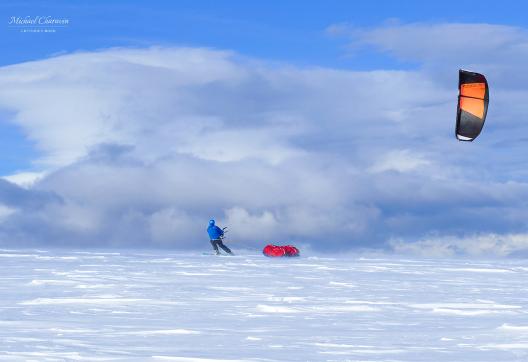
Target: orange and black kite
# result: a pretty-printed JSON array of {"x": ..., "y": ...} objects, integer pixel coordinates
[{"x": 473, "y": 99}]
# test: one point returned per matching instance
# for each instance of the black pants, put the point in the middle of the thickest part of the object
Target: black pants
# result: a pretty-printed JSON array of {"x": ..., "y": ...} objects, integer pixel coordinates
[{"x": 218, "y": 243}]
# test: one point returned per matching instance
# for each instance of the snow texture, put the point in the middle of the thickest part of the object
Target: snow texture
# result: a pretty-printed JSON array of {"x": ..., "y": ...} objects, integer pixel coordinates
[{"x": 162, "y": 306}]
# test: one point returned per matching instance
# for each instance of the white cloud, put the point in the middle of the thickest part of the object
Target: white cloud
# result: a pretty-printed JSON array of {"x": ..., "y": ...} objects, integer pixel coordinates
[
  {"x": 247, "y": 227},
  {"x": 25, "y": 179},
  {"x": 474, "y": 245},
  {"x": 198, "y": 101},
  {"x": 400, "y": 161},
  {"x": 170, "y": 224},
  {"x": 235, "y": 145},
  {"x": 144, "y": 146},
  {"x": 437, "y": 43},
  {"x": 73, "y": 102},
  {"x": 6, "y": 211}
]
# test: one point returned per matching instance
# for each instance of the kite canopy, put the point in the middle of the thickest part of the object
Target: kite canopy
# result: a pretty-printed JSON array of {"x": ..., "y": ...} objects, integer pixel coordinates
[
  {"x": 276, "y": 251},
  {"x": 473, "y": 99}
]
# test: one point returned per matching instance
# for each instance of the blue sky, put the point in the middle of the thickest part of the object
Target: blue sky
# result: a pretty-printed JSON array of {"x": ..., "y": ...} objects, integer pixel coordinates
[
  {"x": 332, "y": 122},
  {"x": 292, "y": 31}
]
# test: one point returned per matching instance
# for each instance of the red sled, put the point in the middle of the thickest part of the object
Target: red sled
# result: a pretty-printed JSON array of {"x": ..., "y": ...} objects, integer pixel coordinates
[{"x": 277, "y": 251}]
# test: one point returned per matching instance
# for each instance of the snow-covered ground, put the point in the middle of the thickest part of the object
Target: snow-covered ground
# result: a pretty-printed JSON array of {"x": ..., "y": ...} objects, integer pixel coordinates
[{"x": 135, "y": 306}]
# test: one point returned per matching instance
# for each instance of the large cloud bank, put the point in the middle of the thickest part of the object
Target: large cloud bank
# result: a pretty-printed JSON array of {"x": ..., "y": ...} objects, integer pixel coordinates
[{"x": 140, "y": 147}]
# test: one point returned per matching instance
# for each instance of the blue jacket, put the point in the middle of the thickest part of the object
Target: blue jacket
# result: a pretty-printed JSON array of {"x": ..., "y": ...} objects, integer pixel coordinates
[{"x": 214, "y": 231}]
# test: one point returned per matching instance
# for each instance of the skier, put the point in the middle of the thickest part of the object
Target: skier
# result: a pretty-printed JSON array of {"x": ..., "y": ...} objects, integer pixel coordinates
[{"x": 216, "y": 235}]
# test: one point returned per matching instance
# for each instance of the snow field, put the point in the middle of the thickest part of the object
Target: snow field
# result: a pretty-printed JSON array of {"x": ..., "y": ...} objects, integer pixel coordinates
[{"x": 137, "y": 306}]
